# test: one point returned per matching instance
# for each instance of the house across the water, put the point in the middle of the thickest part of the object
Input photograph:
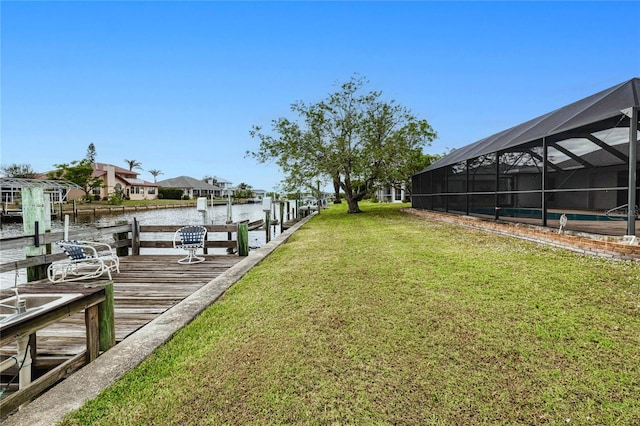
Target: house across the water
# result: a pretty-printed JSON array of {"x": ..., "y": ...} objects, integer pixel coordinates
[
  {"x": 192, "y": 187},
  {"x": 120, "y": 180}
]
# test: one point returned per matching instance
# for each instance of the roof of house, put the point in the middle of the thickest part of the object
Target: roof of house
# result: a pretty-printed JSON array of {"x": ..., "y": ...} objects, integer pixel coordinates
[
  {"x": 139, "y": 182},
  {"x": 118, "y": 170},
  {"x": 186, "y": 182},
  {"x": 221, "y": 180},
  {"x": 603, "y": 105},
  {"x": 129, "y": 176}
]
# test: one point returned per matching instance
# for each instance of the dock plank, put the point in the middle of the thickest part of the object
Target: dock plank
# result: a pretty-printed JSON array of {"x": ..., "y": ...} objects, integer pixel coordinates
[{"x": 146, "y": 287}]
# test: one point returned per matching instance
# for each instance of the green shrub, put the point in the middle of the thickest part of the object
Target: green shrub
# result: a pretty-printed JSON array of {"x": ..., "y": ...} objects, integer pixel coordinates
[
  {"x": 170, "y": 193},
  {"x": 115, "y": 199}
]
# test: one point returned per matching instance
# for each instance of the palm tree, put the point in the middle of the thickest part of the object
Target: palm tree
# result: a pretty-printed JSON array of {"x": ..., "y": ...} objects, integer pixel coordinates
[
  {"x": 155, "y": 174},
  {"x": 133, "y": 164}
]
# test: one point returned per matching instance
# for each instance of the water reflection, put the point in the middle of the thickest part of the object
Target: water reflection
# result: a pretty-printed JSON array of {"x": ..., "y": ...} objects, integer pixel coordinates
[{"x": 177, "y": 216}]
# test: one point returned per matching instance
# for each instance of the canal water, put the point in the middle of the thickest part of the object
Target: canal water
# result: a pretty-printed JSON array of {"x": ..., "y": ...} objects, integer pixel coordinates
[{"x": 215, "y": 215}]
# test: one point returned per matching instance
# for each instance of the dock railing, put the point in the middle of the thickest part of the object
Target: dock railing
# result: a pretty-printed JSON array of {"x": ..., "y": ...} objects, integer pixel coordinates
[{"x": 127, "y": 239}]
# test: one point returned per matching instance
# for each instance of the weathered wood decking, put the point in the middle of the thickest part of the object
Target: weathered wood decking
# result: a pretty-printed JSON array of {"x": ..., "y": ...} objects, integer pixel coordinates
[
  {"x": 147, "y": 286},
  {"x": 151, "y": 281}
]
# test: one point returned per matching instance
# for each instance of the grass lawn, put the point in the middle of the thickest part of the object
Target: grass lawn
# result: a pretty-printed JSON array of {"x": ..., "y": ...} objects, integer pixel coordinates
[{"x": 385, "y": 318}]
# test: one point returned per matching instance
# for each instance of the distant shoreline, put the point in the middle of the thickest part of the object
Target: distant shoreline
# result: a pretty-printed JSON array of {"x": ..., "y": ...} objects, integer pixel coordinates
[{"x": 13, "y": 215}]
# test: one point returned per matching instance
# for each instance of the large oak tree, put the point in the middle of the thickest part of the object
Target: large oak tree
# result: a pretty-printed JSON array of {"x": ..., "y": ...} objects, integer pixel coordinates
[{"x": 353, "y": 138}]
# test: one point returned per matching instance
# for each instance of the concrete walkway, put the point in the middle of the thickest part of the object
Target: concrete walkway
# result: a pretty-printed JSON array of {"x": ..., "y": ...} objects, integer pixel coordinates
[{"x": 72, "y": 393}]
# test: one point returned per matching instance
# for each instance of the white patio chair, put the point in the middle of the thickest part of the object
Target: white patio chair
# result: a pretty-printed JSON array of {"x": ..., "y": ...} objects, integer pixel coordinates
[
  {"x": 85, "y": 260},
  {"x": 190, "y": 238}
]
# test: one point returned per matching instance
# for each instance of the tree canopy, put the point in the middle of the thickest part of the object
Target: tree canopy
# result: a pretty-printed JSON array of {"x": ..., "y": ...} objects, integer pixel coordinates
[
  {"x": 78, "y": 172},
  {"x": 91, "y": 153},
  {"x": 19, "y": 171},
  {"x": 243, "y": 191},
  {"x": 133, "y": 164},
  {"x": 352, "y": 138},
  {"x": 155, "y": 173}
]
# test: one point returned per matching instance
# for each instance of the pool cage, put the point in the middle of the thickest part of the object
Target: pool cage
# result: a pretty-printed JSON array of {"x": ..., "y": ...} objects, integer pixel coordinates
[
  {"x": 579, "y": 161},
  {"x": 11, "y": 189}
]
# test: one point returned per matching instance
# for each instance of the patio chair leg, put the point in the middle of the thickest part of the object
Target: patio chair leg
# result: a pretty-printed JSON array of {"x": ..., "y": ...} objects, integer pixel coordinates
[{"x": 191, "y": 258}]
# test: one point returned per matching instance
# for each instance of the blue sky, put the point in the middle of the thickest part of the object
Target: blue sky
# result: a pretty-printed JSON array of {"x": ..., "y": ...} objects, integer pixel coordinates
[{"x": 178, "y": 85}]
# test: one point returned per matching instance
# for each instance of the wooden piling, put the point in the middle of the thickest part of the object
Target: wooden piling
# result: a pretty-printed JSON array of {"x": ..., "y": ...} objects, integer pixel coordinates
[
  {"x": 281, "y": 216},
  {"x": 106, "y": 320},
  {"x": 243, "y": 239},
  {"x": 36, "y": 217},
  {"x": 121, "y": 250},
  {"x": 93, "y": 342},
  {"x": 267, "y": 223},
  {"x": 135, "y": 238}
]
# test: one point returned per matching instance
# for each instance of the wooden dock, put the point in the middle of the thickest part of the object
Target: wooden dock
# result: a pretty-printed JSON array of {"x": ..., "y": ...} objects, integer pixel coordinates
[
  {"x": 103, "y": 312},
  {"x": 147, "y": 286}
]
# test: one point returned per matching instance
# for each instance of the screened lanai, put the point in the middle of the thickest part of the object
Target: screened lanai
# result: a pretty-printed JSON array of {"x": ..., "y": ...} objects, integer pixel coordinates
[
  {"x": 10, "y": 188},
  {"x": 579, "y": 161}
]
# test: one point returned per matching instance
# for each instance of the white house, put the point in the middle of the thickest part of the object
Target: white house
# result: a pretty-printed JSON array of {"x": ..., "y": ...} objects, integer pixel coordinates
[
  {"x": 224, "y": 185},
  {"x": 391, "y": 194},
  {"x": 259, "y": 194}
]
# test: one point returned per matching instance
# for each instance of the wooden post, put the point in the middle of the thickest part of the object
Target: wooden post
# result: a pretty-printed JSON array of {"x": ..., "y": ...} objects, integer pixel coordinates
[
  {"x": 267, "y": 223},
  {"x": 121, "y": 251},
  {"x": 206, "y": 238},
  {"x": 281, "y": 215},
  {"x": 243, "y": 239},
  {"x": 91, "y": 324},
  {"x": 106, "y": 320},
  {"x": 229, "y": 220},
  {"x": 135, "y": 238},
  {"x": 36, "y": 217},
  {"x": 230, "y": 238},
  {"x": 24, "y": 372}
]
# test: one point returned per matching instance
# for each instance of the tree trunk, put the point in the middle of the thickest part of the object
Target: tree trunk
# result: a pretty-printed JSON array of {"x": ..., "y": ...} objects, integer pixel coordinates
[
  {"x": 352, "y": 200},
  {"x": 352, "y": 203},
  {"x": 336, "y": 189}
]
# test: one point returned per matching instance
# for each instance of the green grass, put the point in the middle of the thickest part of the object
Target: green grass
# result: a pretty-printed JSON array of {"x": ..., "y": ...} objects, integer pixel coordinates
[{"x": 385, "y": 318}]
